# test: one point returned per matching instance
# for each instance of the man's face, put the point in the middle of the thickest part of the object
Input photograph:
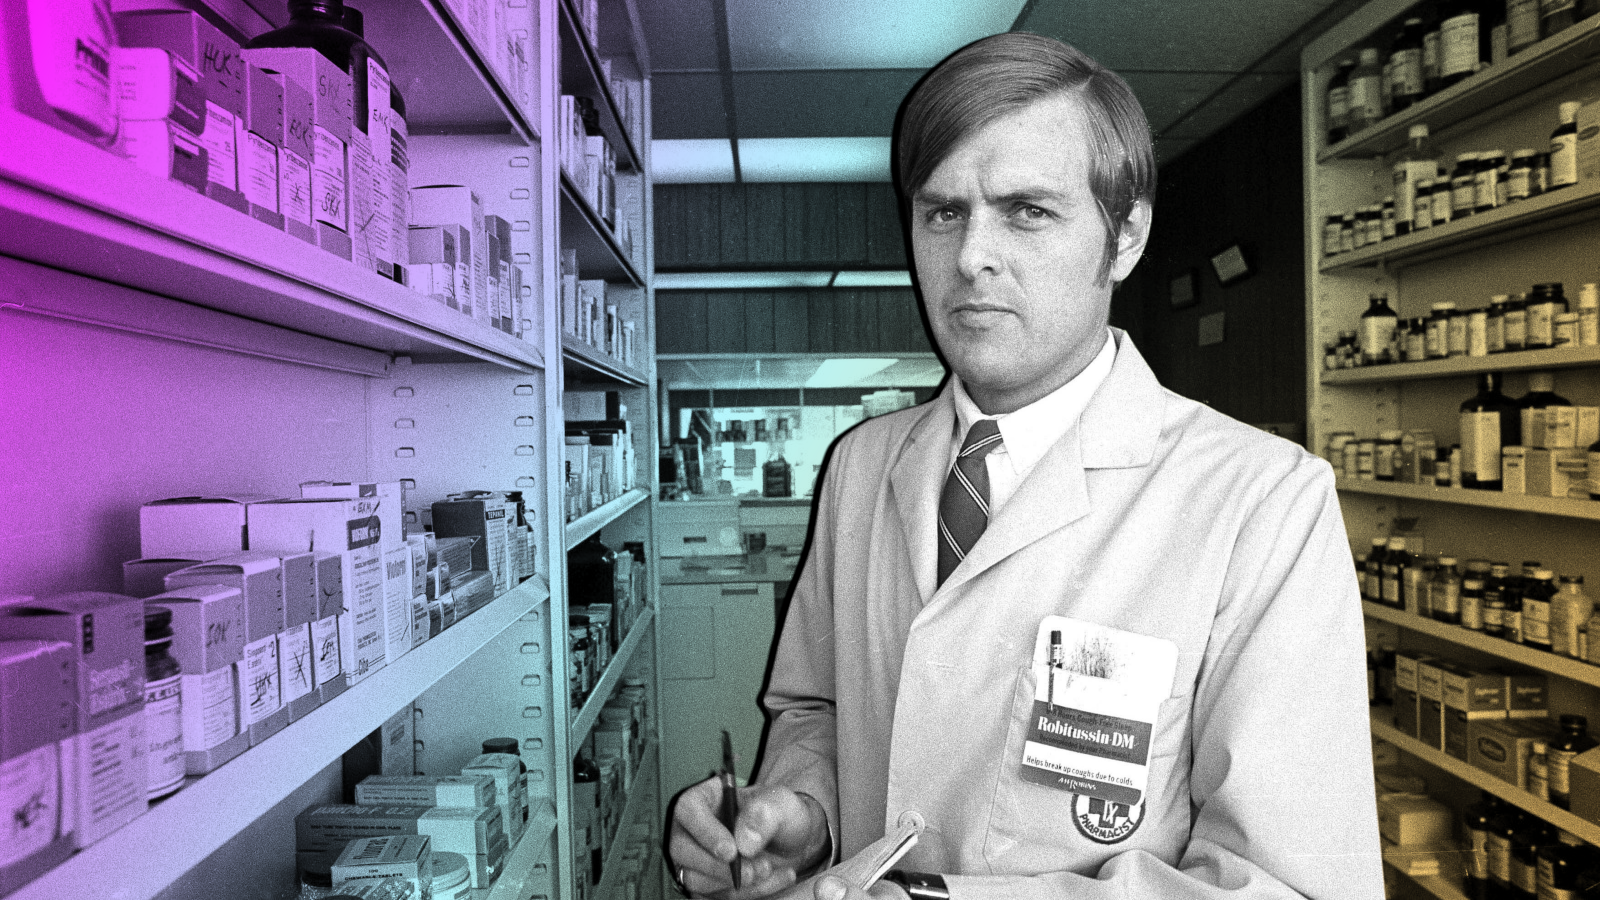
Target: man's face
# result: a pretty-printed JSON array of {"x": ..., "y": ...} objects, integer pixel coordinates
[{"x": 1008, "y": 241}]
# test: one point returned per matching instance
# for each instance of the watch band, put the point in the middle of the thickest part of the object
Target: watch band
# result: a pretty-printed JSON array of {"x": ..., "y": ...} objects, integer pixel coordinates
[{"x": 920, "y": 885}]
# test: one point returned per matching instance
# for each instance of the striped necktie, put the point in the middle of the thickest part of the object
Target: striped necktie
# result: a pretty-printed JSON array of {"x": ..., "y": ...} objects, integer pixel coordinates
[{"x": 964, "y": 503}]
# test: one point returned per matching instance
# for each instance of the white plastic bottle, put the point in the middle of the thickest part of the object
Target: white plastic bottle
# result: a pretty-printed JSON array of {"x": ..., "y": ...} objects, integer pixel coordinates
[{"x": 1589, "y": 316}]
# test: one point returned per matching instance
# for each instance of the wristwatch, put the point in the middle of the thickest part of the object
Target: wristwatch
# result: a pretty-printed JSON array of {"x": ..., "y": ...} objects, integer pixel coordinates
[{"x": 920, "y": 885}]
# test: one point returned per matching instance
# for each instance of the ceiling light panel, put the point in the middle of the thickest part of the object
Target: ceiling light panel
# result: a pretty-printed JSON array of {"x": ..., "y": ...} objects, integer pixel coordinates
[
  {"x": 692, "y": 162},
  {"x": 860, "y": 34},
  {"x": 814, "y": 159}
]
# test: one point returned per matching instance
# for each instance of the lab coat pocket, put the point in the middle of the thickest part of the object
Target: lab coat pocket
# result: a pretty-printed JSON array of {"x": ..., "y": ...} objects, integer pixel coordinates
[{"x": 1038, "y": 828}]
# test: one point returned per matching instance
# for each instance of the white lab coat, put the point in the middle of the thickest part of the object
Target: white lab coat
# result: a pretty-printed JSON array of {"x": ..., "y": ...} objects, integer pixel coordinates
[{"x": 1154, "y": 515}]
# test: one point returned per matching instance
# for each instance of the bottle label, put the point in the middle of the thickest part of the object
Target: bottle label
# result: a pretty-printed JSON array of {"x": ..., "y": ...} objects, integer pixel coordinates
[
  {"x": 1541, "y": 324},
  {"x": 220, "y": 140},
  {"x": 1446, "y": 597},
  {"x": 1564, "y": 160},
  {"x": 1500, "y": 858},
  {"x": 1430, "y": 56},
  {"x": 260, "y": 171},
  {"x": 363, "y": 216},
  {"x": 1516, "y": 329},
  {"x": 1519, "y": 184},
  {"x": 210, "y": 709},
  {"x": 1391, "y": 586},
  {"x": 1456, "y": 336},
  {"x": 1458, "y": 46},
  {"x": 1377, "y": 333},
  {"x": 1589, "y": 329},
  {"x": 1339, "y": 105},
  {"x": 1422, "y": 211},
  {"x": 1463, "y": 196},
  {"x": 329, "y": 198},
  {"x": 377, "y": 99},
  {"x": 1406, "y": 72},
  {"x": 1560, "y": 771},
  {"x": 1494, "y": 616},
  {"x": 1406, "y": 176},
  {"x": 1366, "y": 100},
  {"x": 1478, "y": 854},
  {"x": 1538, "y": 779},
  {"x": 1483, "y": 189},
  {"x": 1522, "y": 23},
  {"x": 294, "y": 187},
  {"x": 163, "y": 732},
  {"x": 1472, "y": 612},
  {"x": 1535, "y": 621},
  {"x": 399, "y": 190}
]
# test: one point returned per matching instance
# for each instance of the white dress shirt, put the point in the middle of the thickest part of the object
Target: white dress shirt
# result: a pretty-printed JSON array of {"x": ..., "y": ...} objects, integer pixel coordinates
[{"x": 1029, "y": 432}]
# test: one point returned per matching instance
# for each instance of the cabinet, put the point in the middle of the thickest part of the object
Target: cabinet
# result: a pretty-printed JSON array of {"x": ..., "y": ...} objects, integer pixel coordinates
[
  {"x": 1509, "y": 105},
  {"x": 158, "y": 344}
]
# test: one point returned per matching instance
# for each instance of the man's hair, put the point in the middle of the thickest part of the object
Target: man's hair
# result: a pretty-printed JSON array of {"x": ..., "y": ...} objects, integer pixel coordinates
[{"x": 1001, "y": 74}]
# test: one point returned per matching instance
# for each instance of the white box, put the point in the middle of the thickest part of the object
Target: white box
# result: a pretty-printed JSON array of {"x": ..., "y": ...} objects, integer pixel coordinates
[
  {"x": 506, "y": 771},
  {"x": 327, "y": 526},
  {"x": 425, "y": 790},
  {"x": 209, "y": 526},
  {"x": 397, "y": 614},
  {"x": 383, "y": 500},
  {"x": 454, "y": 204}
]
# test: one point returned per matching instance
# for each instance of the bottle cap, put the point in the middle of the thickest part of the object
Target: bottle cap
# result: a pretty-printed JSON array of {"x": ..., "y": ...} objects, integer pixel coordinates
[
  {"x": 1544, "y": 575},
  {"x": 1569, "y": 109},
  {"x": 1419, "y": 130},
  {"x": 1380, "y": 541},
  {"x": 1524, "y": 154},
  {"x": 1444, "y": 306},
  {"x": 1543, "y": 382},
  {"x": 1572, "y": 579}
]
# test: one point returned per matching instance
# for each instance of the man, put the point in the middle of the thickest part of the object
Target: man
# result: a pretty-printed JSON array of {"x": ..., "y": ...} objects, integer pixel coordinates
[{"x": 925, "y": 651}]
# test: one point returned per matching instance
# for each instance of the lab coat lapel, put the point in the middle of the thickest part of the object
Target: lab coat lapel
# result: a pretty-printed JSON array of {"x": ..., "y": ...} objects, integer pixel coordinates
[
  {"x": 916, "y": 477},
  {"x": 1118, "y": 429}
]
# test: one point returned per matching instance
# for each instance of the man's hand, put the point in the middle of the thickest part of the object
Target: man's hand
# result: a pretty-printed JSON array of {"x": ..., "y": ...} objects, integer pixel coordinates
[
  {"x": 780, "y": 834},
  {"x": 830, "y": 887}
]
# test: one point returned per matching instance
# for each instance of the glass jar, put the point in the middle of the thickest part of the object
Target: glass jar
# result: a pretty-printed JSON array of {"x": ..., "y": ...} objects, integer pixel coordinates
[
  {"x": 1516, "y": 327},
  {"x": 1495, "y": 327},
  {"x": 1438, "y": 333},
  {"x": 1545, "y": 303},
  {"x": 1444, "y": 592},
  {"x": 163, "y": 706}
]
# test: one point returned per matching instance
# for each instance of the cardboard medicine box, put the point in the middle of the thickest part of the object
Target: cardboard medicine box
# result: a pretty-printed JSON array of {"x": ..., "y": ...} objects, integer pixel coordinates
[
  {"x": 483, "y": 518},
  {"x": 398, "y": 618},
  {"x": 38, "y": 718},
  {"x": 183, "y": 526},
  {"x": 1502, "y": 747},
  {"x": 475, "y": 832},
  {"x": 259, "y": 146},
  {"x": 205, "y": 49},
  {"x": 382, "y": 502},
  {"x": 295, "y": 153},
  {"x": 1583, "y": 773},
  {"x": 432, "y": 267},
  {"x": 330, "y": 90},
  {"x": 1527, "y": 696},
  {"x": 208, "y": 638},
  {"x": 458, "y": 205},
  {"x": 426, "y": 790},
  {"x": 349, "y": 528},
  {"x": 325, "y": 625},
  {"x": 148, "y": 577},
  {"x": 369, "y": 861},
  {"x": 153, "y": 85},
  {"x": 509, "y": 795},
  {"x": 1469, "y": 697},
  {"x": 295, "y": 658},
  {"x": 1406, "y": 699},
  {"x": 104, "y": 762},
  {"x": 259, "y": 577},
  {"x": 1430, "y": 703},
  {"x": 1412, "y": 821}
]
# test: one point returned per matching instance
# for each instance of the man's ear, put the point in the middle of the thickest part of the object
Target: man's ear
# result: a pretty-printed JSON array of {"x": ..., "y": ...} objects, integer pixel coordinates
[{"x": 1131, "y": 241}]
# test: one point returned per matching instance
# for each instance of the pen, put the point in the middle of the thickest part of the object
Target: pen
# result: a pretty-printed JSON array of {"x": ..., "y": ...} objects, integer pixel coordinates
[
  {"x": 730, "y": 799},
  {"x": 1055, "y": 663}
]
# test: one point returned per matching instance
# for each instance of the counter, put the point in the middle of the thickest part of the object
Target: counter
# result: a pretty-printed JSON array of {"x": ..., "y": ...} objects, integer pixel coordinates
[{"x": 776, "y": 566}]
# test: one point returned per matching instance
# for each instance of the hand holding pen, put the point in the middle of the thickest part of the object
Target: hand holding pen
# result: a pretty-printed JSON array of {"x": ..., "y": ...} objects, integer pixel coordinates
[
  {"x": 782, "y": 836},
  {"x": 730, "y": 800}
]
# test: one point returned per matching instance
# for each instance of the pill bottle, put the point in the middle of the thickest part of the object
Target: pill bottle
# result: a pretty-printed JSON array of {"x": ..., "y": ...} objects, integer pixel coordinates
[
  {"x": 1589, "y": 316},
  {"x": 1495, "y": 326},
  {"x": 1444, "y": 593},
  {"x": 163, "y": 706}
]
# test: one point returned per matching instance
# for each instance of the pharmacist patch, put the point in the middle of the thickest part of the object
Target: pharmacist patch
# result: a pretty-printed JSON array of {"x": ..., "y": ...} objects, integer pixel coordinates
[{"x": 1105, "y": 821}]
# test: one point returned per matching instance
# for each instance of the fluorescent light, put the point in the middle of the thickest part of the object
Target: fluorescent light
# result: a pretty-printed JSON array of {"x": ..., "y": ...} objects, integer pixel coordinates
[
  {"x": 692, "y": 162},
  {"x": 901, "y": 278},
  {"x": 703, "y": 281},
  {"x": 814, "y": 159},
  {"x": 846, "y": 372}
]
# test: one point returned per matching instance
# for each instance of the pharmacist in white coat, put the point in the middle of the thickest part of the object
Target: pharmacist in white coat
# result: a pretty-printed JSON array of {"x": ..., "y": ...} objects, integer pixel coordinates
[{"x": 1140, "y": 673}]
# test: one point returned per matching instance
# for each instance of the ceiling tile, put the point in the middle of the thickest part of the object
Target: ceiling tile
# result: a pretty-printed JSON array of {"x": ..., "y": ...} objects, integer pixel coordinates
[
  {"x": 687, "y": 106},
  {"x": 835, "y": 103},
  {"x": 681, "y": 34},
  {"x": 859, "y": 34}
]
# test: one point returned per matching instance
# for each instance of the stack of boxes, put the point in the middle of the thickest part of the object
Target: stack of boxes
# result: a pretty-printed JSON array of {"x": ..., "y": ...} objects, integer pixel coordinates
[{"x": 1487, "y": 718}]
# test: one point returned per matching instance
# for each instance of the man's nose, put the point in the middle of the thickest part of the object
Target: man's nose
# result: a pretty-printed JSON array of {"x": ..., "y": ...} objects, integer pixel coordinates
[{"x": 980, "y": 248}]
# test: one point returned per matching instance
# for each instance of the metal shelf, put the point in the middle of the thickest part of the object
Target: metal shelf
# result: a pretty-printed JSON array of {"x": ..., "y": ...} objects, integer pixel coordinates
[
  {"x": 1546, "y": 506},
  {"x": 73, "y": 206},
  {"x": 1560, "y": 666},
  {"x": 1557, "y": 209},
  {"x": 1483, "y": 780},
  {"x": 1442, "y": 886},
  {"x": 600, "y": 255},
  {"x": 526, "y": 871},
  {"x": 581, "y": 74},
  {"x": 1507, "y": 82},
  {"x": 585, "y": 718},
  {"x": 584, "y": 363},
  {"x": 603, "y": 515},
  {"x": 643, "y": 784},
  {"x": 178, "y": 833},
  {"x": 1462, "y": 366}
]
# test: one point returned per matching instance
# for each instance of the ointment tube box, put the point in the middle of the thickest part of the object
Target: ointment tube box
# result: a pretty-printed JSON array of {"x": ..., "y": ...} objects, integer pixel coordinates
[
  {"x": 1469, "y": 697},
  {"x": 382, "y": 502},
  {"x": 104, "y": 764},
  {"x": 1406, "y": 699},
  {"x": 177, "y": 526},
  {"x": 484, "y": 519},
  {"x": 419, "y": 588},
  {"x": 397, "y": 614},
  {"x": 153, "y": 85},
  {"x": 38, "y": 717},
  {"x": 426, "y": 790},
  {"x": 330, "y": 90},
  {"x": 432, "y": 269},
  {"x": 259, "y": 577},
  {"x": 510, "y": 795},
  {"x": 1527, "y": 696},
  {"x": 350, "y": 528},
  {"x": 470, "y": 592},
  {"x": 295, "y": 655},
  {"x": 148, "y": 577},
  {"x": 475, "y": 832},
  {"x": 200, "y": 45},
  {"x": 369, "y": 861},
  {"x": 208, "y": 638},
  {"x": 261, "y": 143},
  {"x": 295, "y": 153},
  {"x": 326, "y": 664},
  {"x": 454, "y": 204},
  {"x": 165, "y": 151},
  {"x": 1430, "y": 703}
]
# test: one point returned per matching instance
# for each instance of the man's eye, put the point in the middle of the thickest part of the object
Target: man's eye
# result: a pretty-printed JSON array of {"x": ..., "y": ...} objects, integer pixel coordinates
[
  {"x": 1033, "y": 212},
  {"x": 943, "y": 216}
]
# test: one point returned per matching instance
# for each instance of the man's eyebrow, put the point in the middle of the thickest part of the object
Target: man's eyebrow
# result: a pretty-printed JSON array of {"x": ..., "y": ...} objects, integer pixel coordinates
[{"x": 1021, "y": 195}]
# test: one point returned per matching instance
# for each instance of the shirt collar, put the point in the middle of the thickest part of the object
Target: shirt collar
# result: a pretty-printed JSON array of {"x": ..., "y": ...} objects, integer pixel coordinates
[{"x": 1028, "y": 433}]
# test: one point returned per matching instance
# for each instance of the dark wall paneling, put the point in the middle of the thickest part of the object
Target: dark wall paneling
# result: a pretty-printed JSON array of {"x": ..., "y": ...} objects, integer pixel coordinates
[
  {"x": 820, "y": 320},
  {"x": 1207, "y": 199},
  {"x": 806, "y": 226},
  {"x": 725, "y": 322},
  {"x": 758, "y": 322},
  {"x": 791, "y": 322},
  {"x": 681, "y": 322}
]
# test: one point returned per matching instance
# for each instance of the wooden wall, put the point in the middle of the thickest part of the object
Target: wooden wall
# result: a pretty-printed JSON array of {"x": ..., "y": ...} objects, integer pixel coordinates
[
  {"x": 744, "y": 227},
  {"x": 821, "y": 320},
  {"x": 1242, "y": 185}
]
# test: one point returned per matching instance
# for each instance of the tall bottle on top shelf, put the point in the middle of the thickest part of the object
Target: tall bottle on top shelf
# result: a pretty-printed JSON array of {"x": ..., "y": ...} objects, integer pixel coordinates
[
  {"x": 1405, "y": 66},
  {"x": 1366, "y": 91},
  {"x": 1463, "y": 36},
  {"x": 1489, "y": 421}
]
